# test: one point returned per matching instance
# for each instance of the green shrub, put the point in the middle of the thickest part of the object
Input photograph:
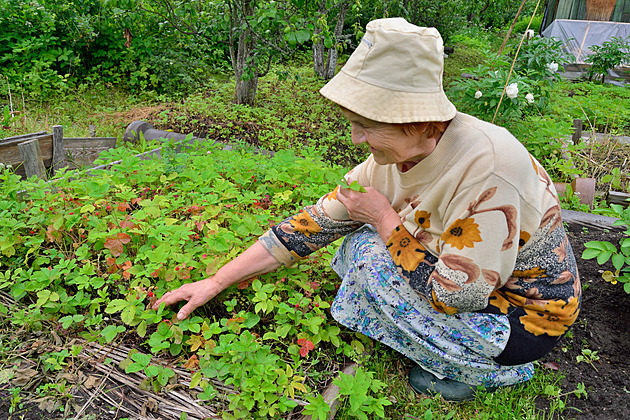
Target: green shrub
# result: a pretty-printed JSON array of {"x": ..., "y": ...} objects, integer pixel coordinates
[
  {"x": 521, "y": 25},
  {"x": 540, "y": 58},
  {"x": 607, "y": 56}
]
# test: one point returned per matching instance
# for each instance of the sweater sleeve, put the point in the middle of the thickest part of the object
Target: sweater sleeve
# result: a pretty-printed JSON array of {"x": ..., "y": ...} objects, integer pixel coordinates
[
  {"x": 314, "y": 227},
  {"x": 307, "y": 231},
  {"x": 477, "y": 249}
]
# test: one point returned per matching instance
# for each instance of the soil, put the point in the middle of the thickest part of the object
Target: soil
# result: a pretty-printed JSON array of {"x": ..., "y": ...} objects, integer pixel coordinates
[{"x": 602, "y": 327}]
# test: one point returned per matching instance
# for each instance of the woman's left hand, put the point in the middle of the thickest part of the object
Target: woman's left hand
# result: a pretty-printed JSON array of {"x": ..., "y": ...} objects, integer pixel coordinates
[{"x": 370, "y": 207}]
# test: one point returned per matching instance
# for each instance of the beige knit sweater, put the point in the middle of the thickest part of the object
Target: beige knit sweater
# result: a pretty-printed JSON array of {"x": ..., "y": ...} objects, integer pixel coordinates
[{"x": 480, "y": 228}]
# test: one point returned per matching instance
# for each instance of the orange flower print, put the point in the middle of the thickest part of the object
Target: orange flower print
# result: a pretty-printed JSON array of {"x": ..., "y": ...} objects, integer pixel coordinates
[
  {"x": 423, "y": 219},
  {"x": 462, "y": 233},
  {"x": 523, "y": 238},
  {"x": 332, "y": 195},
  {"x": 406, "y": 252},
  {"x": 303, "y": 223},
  {"x": 530, "y": 273},
  {"x": 553, "y": 319},
  {"x": 498, "y": 300},
  {"x": 441, "y": 306},
  {"x": 534, "y": 163}
]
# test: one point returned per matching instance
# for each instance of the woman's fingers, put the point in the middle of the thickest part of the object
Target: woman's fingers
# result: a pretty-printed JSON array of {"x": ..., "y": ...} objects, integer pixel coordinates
[
  {"x": 168, "y": 299},
  {"x": 196, "y": 294}
]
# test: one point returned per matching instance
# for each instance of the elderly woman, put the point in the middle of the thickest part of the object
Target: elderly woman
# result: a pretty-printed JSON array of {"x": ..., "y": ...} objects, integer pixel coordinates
[{"x": 455, "y": 254}]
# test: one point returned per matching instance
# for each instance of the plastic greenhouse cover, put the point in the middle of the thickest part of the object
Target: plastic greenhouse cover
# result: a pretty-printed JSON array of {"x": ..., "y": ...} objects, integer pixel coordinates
[{"x": 579, "y": 35}]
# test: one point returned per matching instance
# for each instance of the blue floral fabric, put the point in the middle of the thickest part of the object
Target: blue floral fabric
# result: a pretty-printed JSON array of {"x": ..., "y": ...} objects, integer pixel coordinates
[{"x": 374, "y": 299}]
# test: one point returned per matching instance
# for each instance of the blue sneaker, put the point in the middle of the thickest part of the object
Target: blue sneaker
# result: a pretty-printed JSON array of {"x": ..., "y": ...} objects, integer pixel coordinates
[{"x": 424, "y": 382}]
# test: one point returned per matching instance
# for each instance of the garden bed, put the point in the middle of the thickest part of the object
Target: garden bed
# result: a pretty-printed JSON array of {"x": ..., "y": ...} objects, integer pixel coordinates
[{"x": 602, "y": 327}]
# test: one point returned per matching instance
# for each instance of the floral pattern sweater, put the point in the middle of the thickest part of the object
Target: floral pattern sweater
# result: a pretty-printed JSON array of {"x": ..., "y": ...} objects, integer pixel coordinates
[{"x": 480, "y": 230}]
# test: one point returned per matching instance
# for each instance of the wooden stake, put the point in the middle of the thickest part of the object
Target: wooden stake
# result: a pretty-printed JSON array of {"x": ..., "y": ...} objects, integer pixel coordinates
[
  {"x": 32, "y": 156},
  {"x": 58, "y": 157},
  {"x": 576, "y": 137}
]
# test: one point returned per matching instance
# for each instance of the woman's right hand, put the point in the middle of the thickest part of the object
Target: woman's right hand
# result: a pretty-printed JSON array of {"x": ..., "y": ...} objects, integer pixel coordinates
[
  {"x": 197, "y": 294},
  {"x": 254, "y": 261}
]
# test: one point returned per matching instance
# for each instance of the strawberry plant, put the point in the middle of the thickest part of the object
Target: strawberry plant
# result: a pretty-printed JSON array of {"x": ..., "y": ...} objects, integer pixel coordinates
[{"x": 91, "y": 255}]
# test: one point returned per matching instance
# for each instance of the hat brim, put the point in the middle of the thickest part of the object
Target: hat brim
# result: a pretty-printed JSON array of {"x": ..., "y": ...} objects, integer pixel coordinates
[{"x": 385, "y": 105}]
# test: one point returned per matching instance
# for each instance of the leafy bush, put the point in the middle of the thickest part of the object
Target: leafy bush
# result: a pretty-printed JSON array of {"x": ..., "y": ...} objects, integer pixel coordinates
[
  {"x": 540, "y": 58},
  {"x": 48, "y": 46},
  {"x": 607, "y": 56},
  {"x": 620, "y": 256},
  {"x": 521, "y": 25},
  {"x": 480, "y": 96}
]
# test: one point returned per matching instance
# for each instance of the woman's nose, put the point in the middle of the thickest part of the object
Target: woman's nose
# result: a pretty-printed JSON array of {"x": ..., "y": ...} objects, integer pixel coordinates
[{"x": 358, "y": 136}]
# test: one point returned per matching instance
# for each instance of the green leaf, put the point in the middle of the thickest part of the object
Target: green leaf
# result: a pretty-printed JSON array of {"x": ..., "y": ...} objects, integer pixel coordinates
[
  {"x": 110, "y": 332},
  {"x": 128, "y": 314},
  {"x": 589, "y": 254},
  {"x": 317, "y": 408},
  {"x": 195, "y": 379},
  {"x": 152, "y": 370},
  {"x": 116, "y": 305},
  {"x": 134, "y": 367},
  {"x": 143, "y": 359},
  {"x": 603, "y": 257},
  {"x": 142, "y": 329},
  {"x": 354, "y": 186},
  {"x": 618, "y": 261},
  {"x": 345, "y": 383}
]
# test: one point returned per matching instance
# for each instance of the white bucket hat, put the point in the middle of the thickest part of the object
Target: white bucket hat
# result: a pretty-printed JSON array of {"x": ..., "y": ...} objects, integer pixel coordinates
[{"x": 394, "y": 75}]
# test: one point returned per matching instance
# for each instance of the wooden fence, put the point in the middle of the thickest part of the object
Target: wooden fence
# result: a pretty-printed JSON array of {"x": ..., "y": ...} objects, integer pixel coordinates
[{"x": 41, "y": 154}]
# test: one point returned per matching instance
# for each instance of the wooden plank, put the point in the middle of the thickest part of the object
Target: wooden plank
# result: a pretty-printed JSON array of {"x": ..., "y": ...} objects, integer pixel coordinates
[
  {"x": 32, "y": 157},
  {"x": 617, "y": 197},
  {"x": 10, "y": 154},
  {"x": 576, "y": 137},
  {"x": 58, "y": 153},
  {"x": 83, "y": 151},
  {"x": 14, "y": 141},
  {"x": 22, "y": 136}
]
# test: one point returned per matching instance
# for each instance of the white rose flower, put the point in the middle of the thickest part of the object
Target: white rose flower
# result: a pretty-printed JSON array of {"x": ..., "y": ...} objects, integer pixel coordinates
[
  {"x": 530, "y": 98},
  {"x": 478, "y": 94},
  {"x": 529, "y": 34},
  {"x": 512, "y": 91},
  {"x": 552, "y": 67}
]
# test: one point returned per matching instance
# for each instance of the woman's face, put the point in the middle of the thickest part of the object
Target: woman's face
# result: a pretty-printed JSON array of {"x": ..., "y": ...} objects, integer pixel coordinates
[{"x": 388, "y": 143}]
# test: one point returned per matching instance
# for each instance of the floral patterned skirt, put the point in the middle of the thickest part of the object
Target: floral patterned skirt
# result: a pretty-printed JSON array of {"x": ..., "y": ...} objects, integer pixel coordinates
[{"x": 375, "y": 300}]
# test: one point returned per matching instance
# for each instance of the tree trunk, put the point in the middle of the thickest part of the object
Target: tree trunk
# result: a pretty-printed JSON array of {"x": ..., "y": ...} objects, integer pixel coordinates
[
  {"x": 326, "y": 70},
  {"x": 246, "y": 81},
  {"x": 333, "y": 53},
  {"x": 318, "y": 47}
]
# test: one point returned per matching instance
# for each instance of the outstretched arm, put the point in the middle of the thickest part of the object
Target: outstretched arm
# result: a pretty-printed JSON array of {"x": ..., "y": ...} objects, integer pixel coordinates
[{"x": 254, "y": 261}]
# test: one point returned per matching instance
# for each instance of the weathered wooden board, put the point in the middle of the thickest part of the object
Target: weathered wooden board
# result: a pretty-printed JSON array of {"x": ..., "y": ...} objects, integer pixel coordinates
[
  {"x": 10, "y": 154},
  {"x": 79, "y": 151},
  {"x": 618, "y": 197},
  {"x": 83, "y": 151}
]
